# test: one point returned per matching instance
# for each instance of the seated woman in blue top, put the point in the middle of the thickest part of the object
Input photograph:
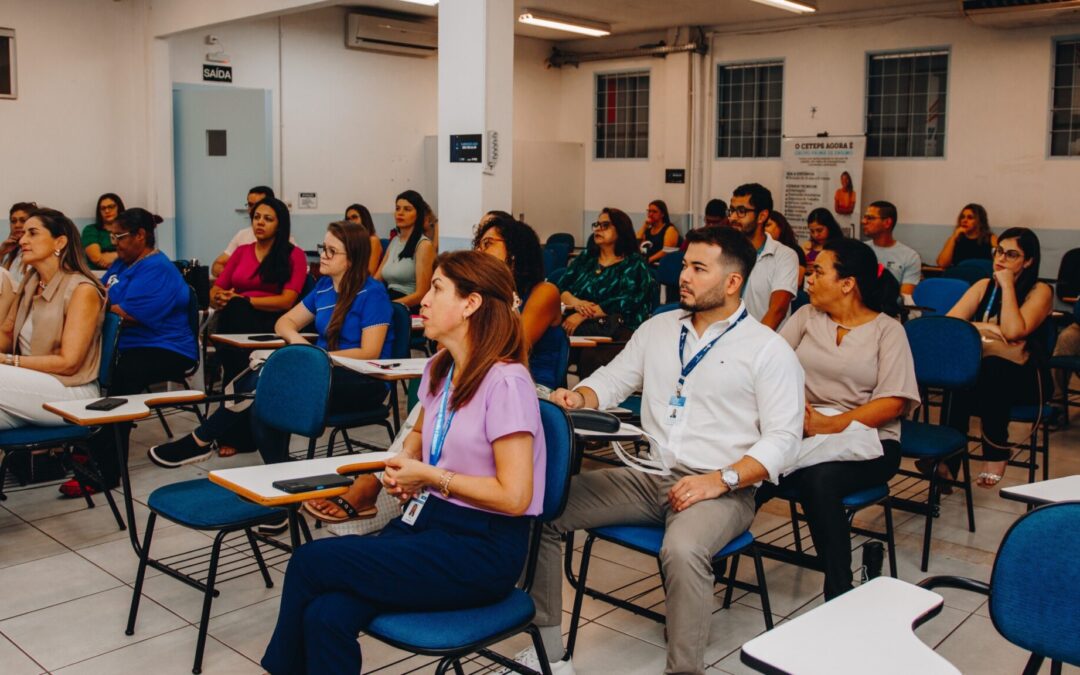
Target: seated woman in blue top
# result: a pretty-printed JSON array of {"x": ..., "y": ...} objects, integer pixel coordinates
[
  {"x": 516, "y": 244},
  {"x": 157, "y": 342},
  {"x": 473, "y": 464},
  {"x": 352, "y": 316}
]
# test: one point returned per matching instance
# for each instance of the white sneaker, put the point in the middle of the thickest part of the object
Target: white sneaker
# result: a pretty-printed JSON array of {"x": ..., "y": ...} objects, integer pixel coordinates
[{"x": 528, "y": 658}]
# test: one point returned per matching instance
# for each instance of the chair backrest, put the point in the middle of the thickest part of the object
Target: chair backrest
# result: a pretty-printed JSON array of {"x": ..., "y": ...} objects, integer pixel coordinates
[
  {"x": 669, "y": 307},
  {"x": 564, "y": 238},
  {"x": 947, "y": 351},
  {"x": 968, "y": 273},
  {"x": 669, "y": 269},
  {"x": 559, "y": 435},
  {"x": 1068, "y": 278},
  {"x": 562, "y": 364},
  {"x": 293, "y": 390},
  {"x": 1034, "y": 588},
  {"x": 1076, "y": 311},
  {"x": 110, "y": 337},
  {"x": 557, "y": 255},
  {"x": 986, "y": 265},
  {"x": 193, "y": 312},
  {"x": 555, "y": 276},
  {"x": 802, "y": 298},
  {"x": 939, "y": 294},
  {"x": 402, "y": 322}
]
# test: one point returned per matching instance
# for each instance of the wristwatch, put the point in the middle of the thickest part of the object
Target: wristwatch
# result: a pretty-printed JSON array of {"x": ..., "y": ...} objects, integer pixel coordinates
[{"x": 731, "y": 478}]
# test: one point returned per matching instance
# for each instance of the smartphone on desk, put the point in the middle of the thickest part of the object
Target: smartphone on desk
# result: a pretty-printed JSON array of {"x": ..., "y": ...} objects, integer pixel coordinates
[
  {"x": 312, "y": 483},
  {"x": 106, "y": 404},
  {"x": 263, "y": 338}
]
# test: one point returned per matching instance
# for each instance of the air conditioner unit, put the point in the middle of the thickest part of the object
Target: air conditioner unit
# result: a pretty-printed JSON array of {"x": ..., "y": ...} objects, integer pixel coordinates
[
  {"x": 1021, "y": 13},
  {"x": 416, "y": 37}
]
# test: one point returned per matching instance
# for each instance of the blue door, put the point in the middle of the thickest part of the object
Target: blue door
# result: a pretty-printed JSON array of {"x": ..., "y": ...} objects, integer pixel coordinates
[{"x": 221, "y": 148}]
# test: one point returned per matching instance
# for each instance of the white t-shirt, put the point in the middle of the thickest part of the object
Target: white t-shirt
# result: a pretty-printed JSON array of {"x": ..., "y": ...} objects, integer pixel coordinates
[
  {"x": 246, "y": 236},
  {"x": 776, "y": 269}
]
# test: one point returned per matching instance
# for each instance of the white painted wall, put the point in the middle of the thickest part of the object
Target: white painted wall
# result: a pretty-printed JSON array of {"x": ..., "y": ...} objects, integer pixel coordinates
[{"x": 79, "y": 127}]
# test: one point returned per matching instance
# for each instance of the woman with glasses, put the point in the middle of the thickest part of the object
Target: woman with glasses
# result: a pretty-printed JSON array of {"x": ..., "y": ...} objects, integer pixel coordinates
[
  {"x": 608, "y": 287},
  {"x": 359, "y": 214},
  {"x": 517, "y": 245},
  {"x": 95, "y": 238},
  {"x": 260, "y": 282},
  {"x": 970, "y": 240},
  {"x": 353, "y": 318},
  {"x": 10, "y": 251},
  {"x": 1008, "y": 310},
  {"x": 157, "y": 341},
  {"x": 658, "y": 232}
]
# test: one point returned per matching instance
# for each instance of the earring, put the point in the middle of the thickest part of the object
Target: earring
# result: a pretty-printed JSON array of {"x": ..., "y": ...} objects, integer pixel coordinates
[{"x": 56, "y": 253}]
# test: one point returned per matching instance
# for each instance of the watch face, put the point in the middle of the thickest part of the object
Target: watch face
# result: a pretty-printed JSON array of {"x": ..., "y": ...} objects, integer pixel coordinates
[{"x": 731, "y": 478}]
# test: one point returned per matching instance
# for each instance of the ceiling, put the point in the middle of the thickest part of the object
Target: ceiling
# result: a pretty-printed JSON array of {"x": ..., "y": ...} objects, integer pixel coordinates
[{"x": 638, "y": 16}]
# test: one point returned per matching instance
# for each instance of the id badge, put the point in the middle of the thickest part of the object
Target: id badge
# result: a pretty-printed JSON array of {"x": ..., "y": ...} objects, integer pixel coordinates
[
  {"x": 676, "y": 408},
  {"x": 412, "y": 511}
]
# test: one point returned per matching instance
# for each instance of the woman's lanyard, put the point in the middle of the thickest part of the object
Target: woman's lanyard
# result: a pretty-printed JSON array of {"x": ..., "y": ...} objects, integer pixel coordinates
[
  {"x": 442, "y": 422},
  {"x": 688, "y": 368},
  {"x": 993, "y": 296}
]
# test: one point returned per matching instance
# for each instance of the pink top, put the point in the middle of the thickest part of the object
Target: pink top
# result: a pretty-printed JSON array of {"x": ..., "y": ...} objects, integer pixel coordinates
[
  {"x": 241, "y": 273},
  {"x": 504, "y": 404}
]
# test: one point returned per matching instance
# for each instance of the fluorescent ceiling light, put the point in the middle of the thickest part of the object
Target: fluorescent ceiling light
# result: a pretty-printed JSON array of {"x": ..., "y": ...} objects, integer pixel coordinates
[
  {"x": 797, "y": 6},
  {"x": 429, "y": 3},
  {"x": 567, "y": 23}
]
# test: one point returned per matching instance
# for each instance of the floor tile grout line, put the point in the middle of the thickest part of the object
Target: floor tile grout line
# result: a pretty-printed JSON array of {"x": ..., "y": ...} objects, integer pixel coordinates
[{"x": 22, "y": 651}]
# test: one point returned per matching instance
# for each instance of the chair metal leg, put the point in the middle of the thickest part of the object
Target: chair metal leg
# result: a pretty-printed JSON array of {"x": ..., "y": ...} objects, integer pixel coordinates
[
  {"x": 259, "y": 558},
  {"x": 1055, "y": 667},
  {"x": 729, "y": 591},
  {"x": 965, "y": 462},
  {"x": 164, "y": 424},
  {"x": 890, "y": 537},
  {"x": 330, "y": 443},
  {"x": 140, "y": 576},
  {"x": 348, "y": 442},
  {"x": 541, "y": 653},
  {"x": 390, "y": 430},
  {"x": 931, "y": 508},
  {"x": 208, "y": 598},
  {"x": 1046, "y": 450},
  {"x": 763, "y": 588},
  {"x": 1033, "y": 664},
  {"x": 304, "y": 528},
  {"x": 795, "y": 525},
  {"x": 579, "y": 594},
  {"x": 1033, "y": 454},
  {"x": 311, "y": 448},
  {"x": 115, "y": 509}
]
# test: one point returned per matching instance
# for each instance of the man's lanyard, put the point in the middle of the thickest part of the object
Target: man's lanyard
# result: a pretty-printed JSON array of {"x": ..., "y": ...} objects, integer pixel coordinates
[
  {"x": 688, "y": 368},
  {"x": 442, "y": 422}
]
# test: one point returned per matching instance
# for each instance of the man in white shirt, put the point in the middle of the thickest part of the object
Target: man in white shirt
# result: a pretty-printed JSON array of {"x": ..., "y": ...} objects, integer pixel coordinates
[
  {"x": 244, "y": 235},
  {"x": 879, "y": 223},
  {"x": 722, "y": 395},
  {"x": 775, "y": 279}
]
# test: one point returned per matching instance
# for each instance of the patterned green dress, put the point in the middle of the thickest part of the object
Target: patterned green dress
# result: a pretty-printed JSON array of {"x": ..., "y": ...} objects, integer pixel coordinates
[{"x": 626, "y": 288}]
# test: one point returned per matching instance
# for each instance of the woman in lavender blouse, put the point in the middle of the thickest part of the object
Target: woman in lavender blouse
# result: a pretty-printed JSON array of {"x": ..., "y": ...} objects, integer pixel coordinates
[{"x": 470, "y": 469}]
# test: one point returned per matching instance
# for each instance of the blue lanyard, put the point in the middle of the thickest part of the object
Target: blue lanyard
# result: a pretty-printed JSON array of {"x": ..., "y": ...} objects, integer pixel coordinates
[
  {"x": 993, "y": 296},
  {"x": 442, "y": 422},
  {"x": 688, "y": 368}
]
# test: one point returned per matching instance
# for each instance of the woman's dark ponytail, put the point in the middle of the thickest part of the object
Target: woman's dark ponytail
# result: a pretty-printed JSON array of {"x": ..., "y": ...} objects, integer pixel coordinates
[{"x": 879, "y": 289}]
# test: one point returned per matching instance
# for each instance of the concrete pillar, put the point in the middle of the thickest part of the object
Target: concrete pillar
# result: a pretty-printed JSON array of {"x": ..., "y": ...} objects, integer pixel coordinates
[{"x": 476, "y": 91}]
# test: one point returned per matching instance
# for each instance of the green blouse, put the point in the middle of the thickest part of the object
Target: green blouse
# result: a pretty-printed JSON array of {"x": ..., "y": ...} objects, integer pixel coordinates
[
  {"x": 92, "y": 235},
  {"x": 626, "y": 288}
]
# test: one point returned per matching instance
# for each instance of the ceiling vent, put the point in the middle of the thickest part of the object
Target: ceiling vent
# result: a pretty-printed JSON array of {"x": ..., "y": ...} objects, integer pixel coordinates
[
  {"x": 396, "y": 35},
  {"x": 1021, "y": 13}
]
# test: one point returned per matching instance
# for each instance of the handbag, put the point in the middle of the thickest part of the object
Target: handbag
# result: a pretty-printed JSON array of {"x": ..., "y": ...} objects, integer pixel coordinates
[{"x": 601, "y": 326}]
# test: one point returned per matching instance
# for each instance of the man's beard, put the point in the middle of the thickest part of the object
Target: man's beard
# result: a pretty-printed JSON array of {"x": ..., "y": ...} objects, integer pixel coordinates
[{"x": 715, "y": 299}]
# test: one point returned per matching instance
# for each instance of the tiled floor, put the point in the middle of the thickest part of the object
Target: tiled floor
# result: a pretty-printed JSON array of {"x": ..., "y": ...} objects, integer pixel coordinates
[{"x": 66, "y": 574}]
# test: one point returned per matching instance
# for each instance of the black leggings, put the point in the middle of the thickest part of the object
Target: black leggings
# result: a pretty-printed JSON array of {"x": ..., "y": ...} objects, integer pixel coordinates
[
  {"x": 136, "y": 369},
  {"x": 822, "y": 488},
  {"x": 1002, "y": 384}
]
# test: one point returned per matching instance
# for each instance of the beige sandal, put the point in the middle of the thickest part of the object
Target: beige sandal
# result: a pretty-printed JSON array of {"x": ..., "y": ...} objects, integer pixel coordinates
[
  {"x": 351, "y": 512},
  {"x": 987, "y": 480}
]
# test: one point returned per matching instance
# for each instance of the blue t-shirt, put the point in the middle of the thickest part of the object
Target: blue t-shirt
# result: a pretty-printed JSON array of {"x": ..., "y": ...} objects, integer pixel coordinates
[
  {"x": 153, "y": 293},
  {"x": 371, "y": 307}
]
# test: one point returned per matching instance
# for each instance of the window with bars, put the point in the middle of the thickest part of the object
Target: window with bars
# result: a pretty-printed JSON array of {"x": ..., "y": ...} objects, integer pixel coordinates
[
  {"x": 1065, "y": 107},
  {"x": 622, "y": 116},
  {"x": 905, "y": 104},
  {"x": 749, "y": 109},
  {"x": 7, "y": 63}
]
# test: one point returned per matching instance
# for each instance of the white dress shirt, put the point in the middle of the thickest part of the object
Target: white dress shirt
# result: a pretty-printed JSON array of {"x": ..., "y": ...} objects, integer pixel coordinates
[
  {"x": 745, "y": 397},
  {"x": 776, "y": 269}
]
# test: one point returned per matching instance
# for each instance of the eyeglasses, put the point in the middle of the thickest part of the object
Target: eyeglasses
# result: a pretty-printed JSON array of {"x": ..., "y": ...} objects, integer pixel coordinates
[
  {"x": 1010, "y": 254},
  {"x": 600, "y": 227},
  {"x": 325, "y": 251},
  {"x": 115, "y": 238},
  {"x": 488, "y": 242},
  {"x": 870, "y": 217},
  {"x": 108, "y": 207},
  {"x": 740, "y": 211}
]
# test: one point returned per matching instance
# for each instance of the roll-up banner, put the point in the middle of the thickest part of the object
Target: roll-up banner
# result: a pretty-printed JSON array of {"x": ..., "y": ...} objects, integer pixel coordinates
[{"x": 823, "y": 172}]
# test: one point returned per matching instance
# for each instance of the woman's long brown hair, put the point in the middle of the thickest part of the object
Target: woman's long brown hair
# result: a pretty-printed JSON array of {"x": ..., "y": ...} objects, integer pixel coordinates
[
  {"x": 357, "y": 251},
  {"x": 494, "y": 332}
]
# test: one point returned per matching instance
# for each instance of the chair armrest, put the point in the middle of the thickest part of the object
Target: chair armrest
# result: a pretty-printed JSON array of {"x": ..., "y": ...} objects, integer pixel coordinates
[{"x": 963, "y": 583}]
